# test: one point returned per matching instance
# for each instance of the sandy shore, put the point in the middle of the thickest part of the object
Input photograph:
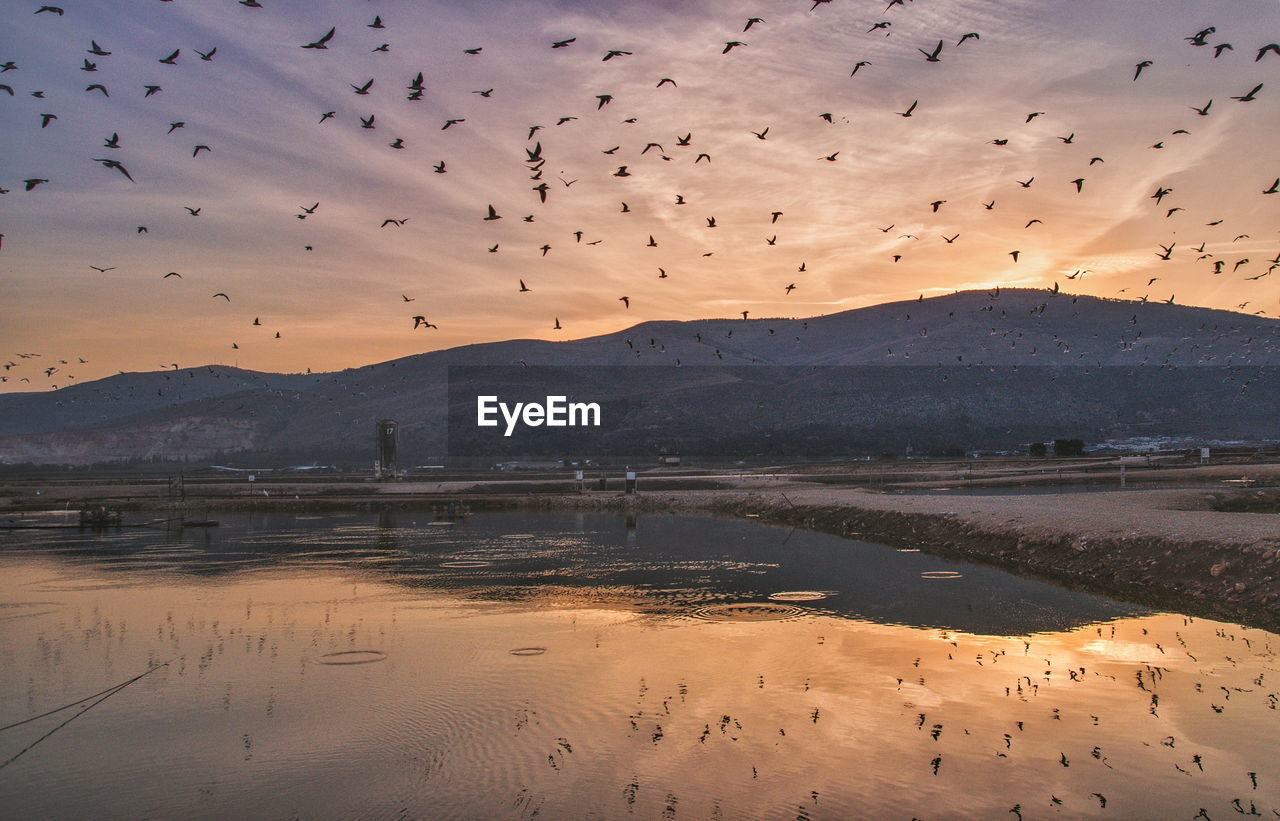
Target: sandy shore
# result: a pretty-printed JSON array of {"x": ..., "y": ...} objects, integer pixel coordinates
[{"x": 1167, "y": 548}]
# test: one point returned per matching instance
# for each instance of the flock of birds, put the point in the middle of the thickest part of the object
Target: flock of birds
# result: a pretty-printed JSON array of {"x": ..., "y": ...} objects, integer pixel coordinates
[{"x": 1210, "y": 253}]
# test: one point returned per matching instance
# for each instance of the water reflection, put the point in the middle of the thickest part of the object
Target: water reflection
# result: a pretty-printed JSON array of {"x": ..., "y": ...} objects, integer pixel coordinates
[
  {"x": 655, "y": 564},
  {"x": 335, "y": 668}
]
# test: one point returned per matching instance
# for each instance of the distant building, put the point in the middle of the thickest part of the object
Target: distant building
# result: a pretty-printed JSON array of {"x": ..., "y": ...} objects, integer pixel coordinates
[
  {"x": 669, "y": 459},
  {"x": 387, "y": 437}
]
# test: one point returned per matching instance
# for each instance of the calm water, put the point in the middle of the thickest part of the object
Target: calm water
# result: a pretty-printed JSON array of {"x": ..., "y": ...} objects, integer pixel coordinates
[{"x": 559, "y": 666}]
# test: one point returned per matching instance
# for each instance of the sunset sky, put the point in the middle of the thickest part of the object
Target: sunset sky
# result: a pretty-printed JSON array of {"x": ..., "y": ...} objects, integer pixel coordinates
[{"x": 258, "y": 103}]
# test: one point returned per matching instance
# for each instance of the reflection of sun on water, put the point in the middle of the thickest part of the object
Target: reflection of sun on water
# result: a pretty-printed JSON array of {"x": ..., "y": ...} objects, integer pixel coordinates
[{"x": 565, "y": 698}]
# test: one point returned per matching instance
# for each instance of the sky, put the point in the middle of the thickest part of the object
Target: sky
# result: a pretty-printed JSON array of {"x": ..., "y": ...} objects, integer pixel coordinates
[{"x": 857, "y": 223}]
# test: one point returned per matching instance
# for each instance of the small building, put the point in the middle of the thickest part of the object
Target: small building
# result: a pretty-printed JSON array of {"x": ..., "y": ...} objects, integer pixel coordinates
[
  {"x": 387, "y": 436},
  {"x": 669, "y": 459}
]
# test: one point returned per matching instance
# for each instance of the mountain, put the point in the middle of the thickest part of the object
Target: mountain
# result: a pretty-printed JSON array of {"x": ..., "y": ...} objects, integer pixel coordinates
[{"x": 975, "y": 369}]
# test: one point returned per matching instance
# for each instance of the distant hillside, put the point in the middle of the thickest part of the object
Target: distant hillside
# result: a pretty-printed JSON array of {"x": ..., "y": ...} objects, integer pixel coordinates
[
  {"x": 1086, "y": 367},
  {"x": 129, "y": 394}
]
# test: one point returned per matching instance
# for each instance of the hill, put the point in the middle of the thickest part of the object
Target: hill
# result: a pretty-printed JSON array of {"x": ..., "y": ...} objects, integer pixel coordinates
[{"x": 974, "y": 369}]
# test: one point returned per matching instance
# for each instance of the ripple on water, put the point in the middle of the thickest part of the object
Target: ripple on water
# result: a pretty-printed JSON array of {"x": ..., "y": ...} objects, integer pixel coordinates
[
  {"x": 465, "y": 563},
  {"x": 748, "y": 611},
  {"x": 349, "y": 657},
  {"x": 799, "y": 595},
  {"x": 528, "y": 651},
  {"x": 86, "y": 585},
  {"x": 27, "y": 609},
  {"x": 941, "y": 574}
]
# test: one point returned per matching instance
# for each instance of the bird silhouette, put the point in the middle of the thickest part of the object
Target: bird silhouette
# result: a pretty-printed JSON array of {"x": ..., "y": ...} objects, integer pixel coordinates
[
  {"x": 1251, "y": 95},
  {"x": 115, "y": 164},
  {"x": 323, "y": 42}
]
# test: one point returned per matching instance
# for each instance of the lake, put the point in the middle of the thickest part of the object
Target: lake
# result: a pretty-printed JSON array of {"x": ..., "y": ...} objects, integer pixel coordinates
[{"x": 564, "y": 666}]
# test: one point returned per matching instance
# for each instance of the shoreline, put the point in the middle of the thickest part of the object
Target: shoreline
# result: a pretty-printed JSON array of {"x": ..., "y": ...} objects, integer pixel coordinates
[{"x": 1168, "y": 549}]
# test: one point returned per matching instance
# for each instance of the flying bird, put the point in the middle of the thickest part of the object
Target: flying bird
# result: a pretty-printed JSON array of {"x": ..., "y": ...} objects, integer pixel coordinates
[
  {"x": 932, "y": 57},
  {"x": 909, "y": 110},
  {"x": 563, "y": 43},
  {"x": 1137, "y": 70},
  {"x": 1273, "y": 47},
  {"x": 108, "y": 163},
  {"x": 323, "y": 41},
  {"x": 1251, "y": 96}
]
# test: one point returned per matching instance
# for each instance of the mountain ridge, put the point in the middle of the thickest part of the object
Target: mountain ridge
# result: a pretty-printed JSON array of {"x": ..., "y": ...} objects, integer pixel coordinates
[{"x": 332, "y": 413}]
